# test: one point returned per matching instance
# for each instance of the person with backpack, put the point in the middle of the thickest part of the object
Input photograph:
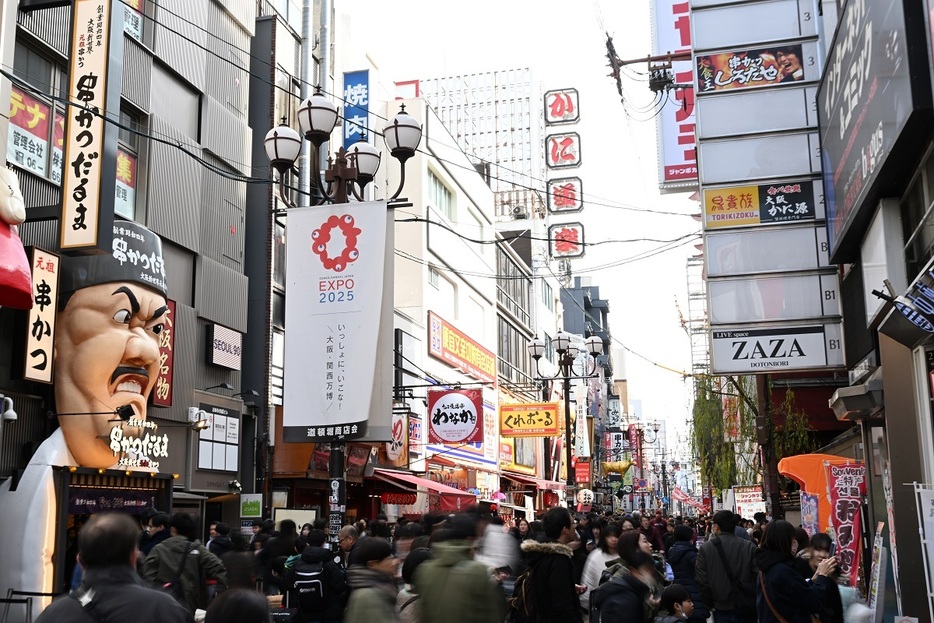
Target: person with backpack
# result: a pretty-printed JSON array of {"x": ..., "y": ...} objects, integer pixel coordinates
[
  {"x": 315, "y": 584},
  {"x": 184, "y": 567},
  {"x": 546, "y": 592},
  {"x": 726, "y": 572}
]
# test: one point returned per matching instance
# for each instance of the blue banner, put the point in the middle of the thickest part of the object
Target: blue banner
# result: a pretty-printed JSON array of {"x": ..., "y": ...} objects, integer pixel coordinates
[{"x": 356, "y": 106}]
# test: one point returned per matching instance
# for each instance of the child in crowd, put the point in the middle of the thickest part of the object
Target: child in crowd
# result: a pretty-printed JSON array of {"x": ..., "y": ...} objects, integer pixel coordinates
[{"x": 676, "y": 602}]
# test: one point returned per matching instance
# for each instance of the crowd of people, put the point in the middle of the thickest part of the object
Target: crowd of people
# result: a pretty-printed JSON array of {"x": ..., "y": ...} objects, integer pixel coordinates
[{"x": 467, "y": 567}]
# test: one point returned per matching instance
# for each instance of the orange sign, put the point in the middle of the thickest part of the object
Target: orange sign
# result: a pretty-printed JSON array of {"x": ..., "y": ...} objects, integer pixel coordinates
[
  {"x": 459, "y": 351},
  {"x": 538, "y": 419}
]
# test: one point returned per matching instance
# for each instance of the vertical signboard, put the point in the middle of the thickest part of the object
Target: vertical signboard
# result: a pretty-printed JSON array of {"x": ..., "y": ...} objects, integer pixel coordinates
[
  {"x": 565, "y": 194},
  {"x": 561, "y": 106},
  {"x": 846, "y": 486},
  {"x": 566, "y": 240},
  {"x": 864, "y": 101},
  {"x": 334, "y": 313},
  {"x": 95, "y": 74},
  {"x": 162, "y": 393},
  {"x": 677, "y": 152},
  {"x": 563, "y": 151},
  {"x": 41, "y": 328},
  {"x": 356, "y": 106}
]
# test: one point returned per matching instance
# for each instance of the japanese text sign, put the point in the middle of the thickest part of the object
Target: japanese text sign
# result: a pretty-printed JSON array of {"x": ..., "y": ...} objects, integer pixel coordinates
[
  {"x": 677, "y": 157},
  {"x": 455, "y": 416},
  {"x": 565, "y": 194},
  {"x": 28, "y": 143},
  {"x": 58, "y": 146},
  {"x": 748, "y": 500},
  {"x": 356, "y": 106},
  {"x": 335, "y": 258},
  {"x": 760, "y": 205},
  {"x": 125, "y": 195},
  {"x": 561, "y": 106},
  {"x": 162, "y": 393},
  {"x": 742, "y": 69},
  {"x": 846, "y": 484},
  {"x": 563, "y": 151},
  {"x": 41, "y": 329},
  {"x": 456, "y": 349},
  {"x": 90, "y": 147},
  {"x": 566, "y": 240},
  {"x": 635, "y": 445},
  {"x": 528, "y": 420}
]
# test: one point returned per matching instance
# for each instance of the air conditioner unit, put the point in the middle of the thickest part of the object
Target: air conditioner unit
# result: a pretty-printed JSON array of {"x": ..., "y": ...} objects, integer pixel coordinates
[{"x": 520, "y": 212}]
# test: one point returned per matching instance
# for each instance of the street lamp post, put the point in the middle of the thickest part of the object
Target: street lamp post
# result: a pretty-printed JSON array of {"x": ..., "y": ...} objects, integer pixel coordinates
[
  {"x": 567, "y": 354},
  {"x": 346, "y": 177}
]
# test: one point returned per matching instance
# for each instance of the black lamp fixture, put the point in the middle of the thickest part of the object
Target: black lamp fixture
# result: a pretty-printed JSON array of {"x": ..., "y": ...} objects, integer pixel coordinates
[
  {"x": 350, "y": 171},
  {"x": 226, "y": 386},
  {"x": 568, "y": 351},
  {"x": 248, "y": 392}
]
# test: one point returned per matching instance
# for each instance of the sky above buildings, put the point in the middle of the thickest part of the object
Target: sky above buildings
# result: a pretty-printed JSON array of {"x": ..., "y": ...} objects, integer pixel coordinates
[{"x": 564, "y": 43}]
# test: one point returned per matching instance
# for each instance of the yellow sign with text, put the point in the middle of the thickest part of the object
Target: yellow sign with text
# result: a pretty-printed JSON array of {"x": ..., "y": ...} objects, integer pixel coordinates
[
  {"x": 737, "y": 205},
  {"x": 538, "y": 419}
]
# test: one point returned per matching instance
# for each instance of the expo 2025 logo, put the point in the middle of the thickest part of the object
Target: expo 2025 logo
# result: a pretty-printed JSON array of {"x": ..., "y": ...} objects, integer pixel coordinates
[{"x": 322, "y": 236}]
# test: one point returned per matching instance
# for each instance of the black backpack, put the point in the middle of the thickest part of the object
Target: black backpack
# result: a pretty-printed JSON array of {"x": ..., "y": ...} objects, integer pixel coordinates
[
  {"x": 307, "y": 588},
  {"x": 522, "y": 607}
]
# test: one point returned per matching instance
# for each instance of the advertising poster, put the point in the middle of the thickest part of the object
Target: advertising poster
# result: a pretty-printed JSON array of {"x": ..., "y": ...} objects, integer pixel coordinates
[
  {"x": 846, "y": 485},
  {"x": 810, "y": 514},
  {"x": 748, "y": 500},
  {"x": 335, "y": 258},
  {"x": 677, "y": 151},
  {"x": 761, "y": 204},
  {"x": 760, "y": 67},
  {"x": 28, "y": 143}
]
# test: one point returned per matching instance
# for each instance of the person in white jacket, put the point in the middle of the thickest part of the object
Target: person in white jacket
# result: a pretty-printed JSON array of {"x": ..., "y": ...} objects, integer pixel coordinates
[{"x": 606, "y": 551}]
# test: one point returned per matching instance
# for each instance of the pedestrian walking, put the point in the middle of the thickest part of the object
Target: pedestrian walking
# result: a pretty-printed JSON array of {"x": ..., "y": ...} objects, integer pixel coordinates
[
  {"x": 596, "y": 566},
  {"x": 682, "y": 556},
  {"x": 783, "y": 596},
  {"x": 622, "y": 598},
  {"x": 726, "y": 572},
  {"x": 372, "y": 579},
  {"x": 187, "y": 565},
  {"x": 111, "y": 590},
  {"x": 238, "y": 605}
]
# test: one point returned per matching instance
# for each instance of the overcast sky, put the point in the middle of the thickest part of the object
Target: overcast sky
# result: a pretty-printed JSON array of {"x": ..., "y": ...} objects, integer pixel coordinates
[{"x": 564, "y": 44}]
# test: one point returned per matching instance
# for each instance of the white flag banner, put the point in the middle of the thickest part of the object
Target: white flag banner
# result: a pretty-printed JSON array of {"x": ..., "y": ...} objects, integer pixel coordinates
[{"x": 335, "y": 261}]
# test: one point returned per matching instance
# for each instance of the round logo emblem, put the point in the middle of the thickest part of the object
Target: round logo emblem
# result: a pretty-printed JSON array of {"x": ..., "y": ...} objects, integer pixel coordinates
[
  {"x": 321, "y": 241},
  {"x": 454, "y": 417}
]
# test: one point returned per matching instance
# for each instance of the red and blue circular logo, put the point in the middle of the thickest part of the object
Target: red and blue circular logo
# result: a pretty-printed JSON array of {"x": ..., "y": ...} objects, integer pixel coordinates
[{"x": 322, "y": 236}]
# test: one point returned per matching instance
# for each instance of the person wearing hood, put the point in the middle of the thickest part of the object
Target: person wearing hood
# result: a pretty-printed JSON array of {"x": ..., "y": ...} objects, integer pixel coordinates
[
  {"x": 782, "y": 595},
  {"x": 372, "y": 581},
  {"x": 682, "y": 556},
  {"x": 454, "y": 587},
  {"x": 623, "y": 597},
  {"x": 316, "y": 563},
  {"x": 556, "y": 596}
]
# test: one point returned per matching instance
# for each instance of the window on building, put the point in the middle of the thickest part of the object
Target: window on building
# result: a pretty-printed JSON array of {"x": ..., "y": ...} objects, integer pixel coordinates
[
  {"x": 37, "y": 125},
  {"x": 434, "y": 277},
  {"x": 514, "y": 286},
  {"x": 917, "y": 211},
  {"x": 548, "y": 296},
  {"x": 127, "y": 165},
  {"x": 440, "y": 197},
  {"x": 549, "y": 348}
]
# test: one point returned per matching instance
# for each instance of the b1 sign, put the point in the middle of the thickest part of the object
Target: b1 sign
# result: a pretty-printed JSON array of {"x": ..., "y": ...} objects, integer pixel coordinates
[{"x": 777, "y": 349}]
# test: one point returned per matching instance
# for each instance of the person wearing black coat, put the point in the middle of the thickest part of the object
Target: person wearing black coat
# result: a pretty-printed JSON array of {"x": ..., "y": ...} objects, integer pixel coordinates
[
  {"x": 622, "y": 598},
  {"x": 552, "y": 577},
  {"x": 335, "y": 585},
  {"x": 781, "y": 593},
  {"x": 682, "y": 556}
]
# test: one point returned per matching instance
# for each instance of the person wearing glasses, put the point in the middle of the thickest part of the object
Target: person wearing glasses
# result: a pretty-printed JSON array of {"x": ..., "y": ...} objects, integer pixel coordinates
[{"x": 346, "y": 539}]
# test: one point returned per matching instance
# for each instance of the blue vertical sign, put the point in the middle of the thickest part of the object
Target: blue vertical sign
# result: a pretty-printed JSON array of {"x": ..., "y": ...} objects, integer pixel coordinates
[{"x": 356, "y": 105}]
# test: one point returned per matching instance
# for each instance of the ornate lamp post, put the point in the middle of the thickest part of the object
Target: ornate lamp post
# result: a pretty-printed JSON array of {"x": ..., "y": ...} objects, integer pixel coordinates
[
  {"x": 347, "y": 175},
  {"x": 567, "y": 353}
]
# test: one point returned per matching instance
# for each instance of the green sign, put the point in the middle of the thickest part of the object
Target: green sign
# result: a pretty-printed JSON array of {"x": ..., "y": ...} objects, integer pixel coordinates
[{"x": 251, "y": 505}]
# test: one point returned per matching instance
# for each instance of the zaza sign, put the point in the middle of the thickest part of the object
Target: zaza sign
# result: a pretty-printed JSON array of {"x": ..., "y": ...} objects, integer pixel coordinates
[{"x": 777, "y": 349}]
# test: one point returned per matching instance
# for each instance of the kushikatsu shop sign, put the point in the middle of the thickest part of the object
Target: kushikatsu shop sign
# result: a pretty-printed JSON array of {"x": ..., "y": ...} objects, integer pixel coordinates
[
  {"x": 538, "y": 419},
  {"x": 95, "y": 76},
  {"x": 459, "y": 351}
]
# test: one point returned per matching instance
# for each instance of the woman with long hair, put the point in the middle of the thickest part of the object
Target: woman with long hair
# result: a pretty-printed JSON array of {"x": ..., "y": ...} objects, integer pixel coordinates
[
  {"x": 606, "y": 551},
  {"x": 632, "y": 546},
  {"x": 782, "y": 595}
]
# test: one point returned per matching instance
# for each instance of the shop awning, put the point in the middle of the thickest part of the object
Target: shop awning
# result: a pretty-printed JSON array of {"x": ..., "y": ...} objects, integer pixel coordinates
[
  {"x": 808, "y": 471},
  {"x": 540, "y": 483},
  {"x": 451, "y": 499}
]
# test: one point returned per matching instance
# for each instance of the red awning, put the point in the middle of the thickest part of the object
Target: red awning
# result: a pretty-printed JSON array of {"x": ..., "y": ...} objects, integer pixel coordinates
[
  {"x": 451, "y": 499},
  {"x": 540, "y": 483}
]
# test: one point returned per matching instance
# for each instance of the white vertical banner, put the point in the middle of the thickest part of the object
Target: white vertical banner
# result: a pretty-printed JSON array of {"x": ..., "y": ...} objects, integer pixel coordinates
[
  {"x": 581, "y": 430},
  {"x": 335, "y": 276}
]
